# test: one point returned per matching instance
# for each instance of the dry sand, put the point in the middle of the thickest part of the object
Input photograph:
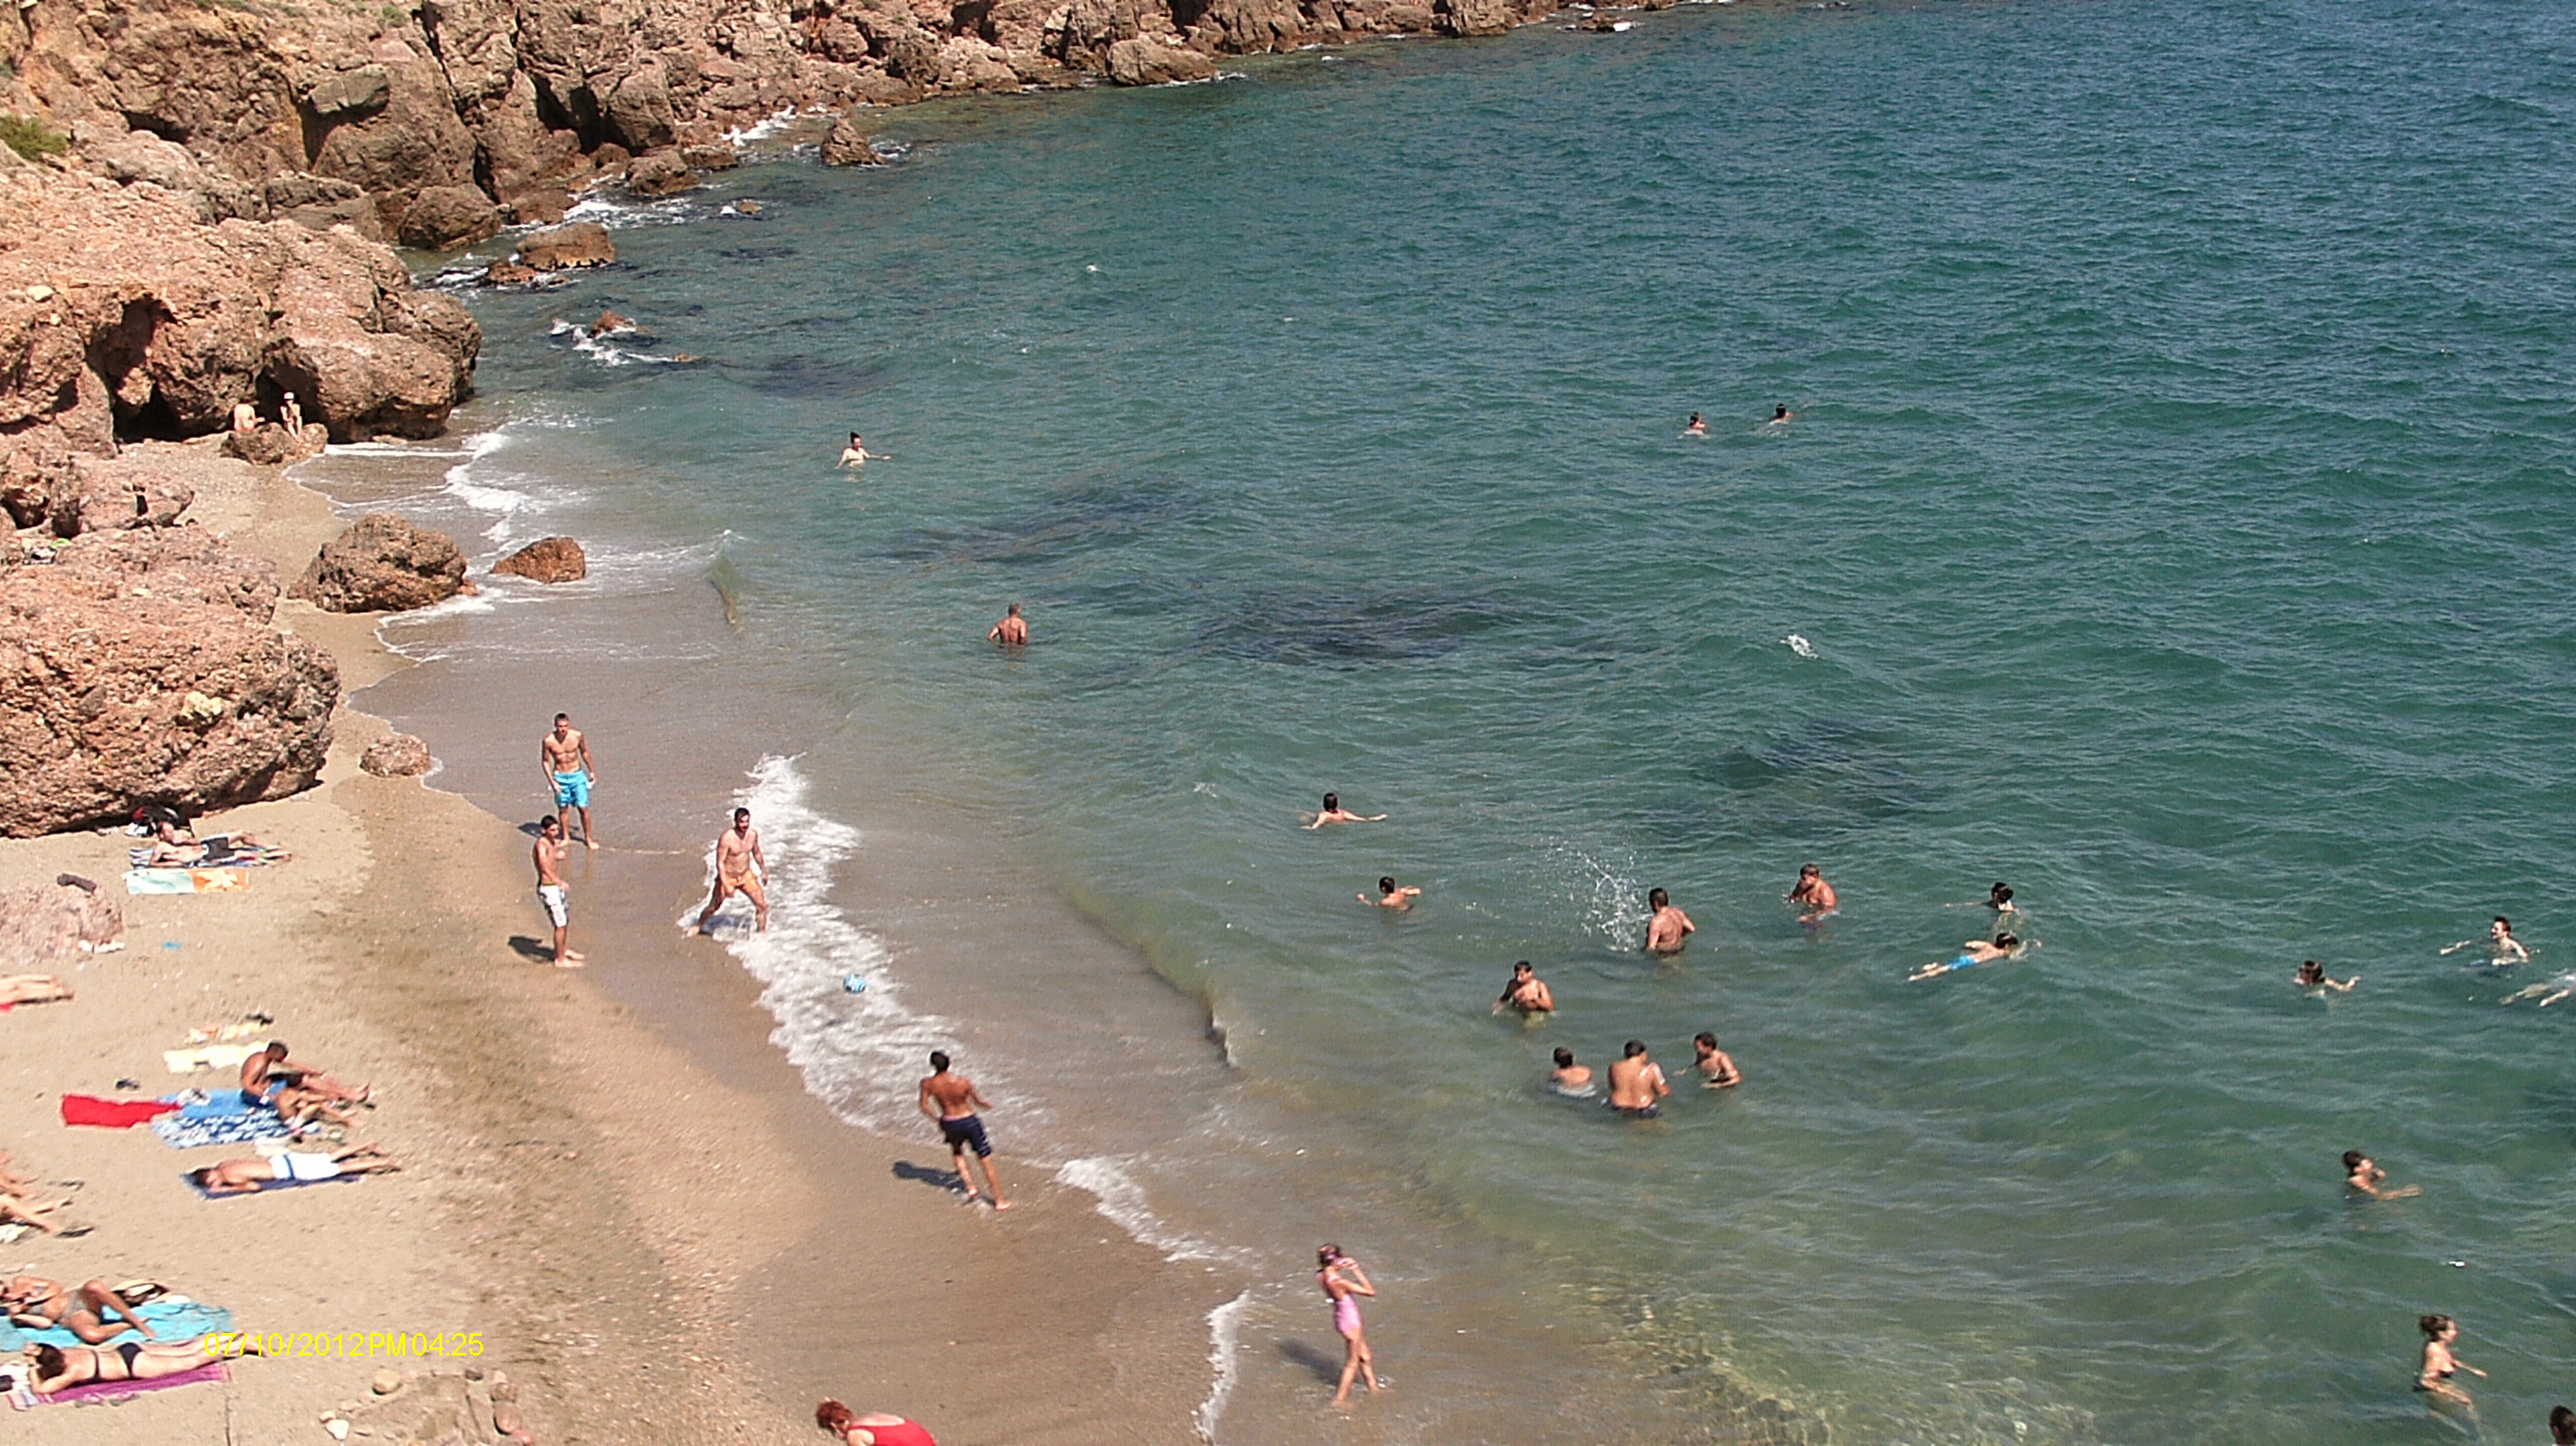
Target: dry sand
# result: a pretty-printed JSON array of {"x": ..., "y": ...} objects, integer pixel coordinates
[{"x": 608, "y": 1213}]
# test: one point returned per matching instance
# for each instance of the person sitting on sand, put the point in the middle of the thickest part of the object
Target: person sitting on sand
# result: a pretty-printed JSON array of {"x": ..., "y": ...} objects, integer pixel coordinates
[
  {"x": 1391, "y": 897},
  {"x": 1569, "y": 1078},
  {"x": 1335, "y": 813},
  {"x": 1716, "y": 1067},
  {"x": 2362, "y": 1176},
  {"x": 1526, "y": 992},
  {"x": 2312, "y": 977},
  {"x": 30, "y": 1300},
  {"x": 243, "y": 1177},
  {"x": 2502, "y": 947},
  {"x": 2433, "y": 1374},
  {"x": 1973, "y": 953},
  {"x": 870, "y": 1428},
  {"x": 33, "y": 989},
  {"x": 271, "y": 1069},
  {"x": 62, "y": 1367},
  {"x": 1012, "y": 631}
]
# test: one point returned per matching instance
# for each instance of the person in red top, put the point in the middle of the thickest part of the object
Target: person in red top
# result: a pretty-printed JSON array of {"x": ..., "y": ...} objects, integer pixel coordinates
[{"x": 873, "y": 1428}]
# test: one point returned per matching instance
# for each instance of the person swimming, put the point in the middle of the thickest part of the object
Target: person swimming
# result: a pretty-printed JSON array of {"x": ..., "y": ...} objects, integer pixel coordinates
[
  {"x": 1333, "y": 812},
  {"x": 1572, "y": 1080},
  {"x": 2548, "y": 994},
  {"x": 1717, "y": 1068},
  {"x": 1391, "y": 897},
  {"x": 2502, "y": 947},
  {"x": 1697, "y": 428},
  {"x": 2312, "y": 976},
  {"x": 1780, "y": 415},
  {"x": 2362, "y": 1176},
  {"x": 2433, "y": 1375},
  {"x": 1526, "y": 992},
  {"x": 1973, "y": 953}
]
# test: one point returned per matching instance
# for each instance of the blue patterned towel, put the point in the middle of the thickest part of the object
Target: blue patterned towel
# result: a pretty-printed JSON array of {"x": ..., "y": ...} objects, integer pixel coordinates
[{"x": 181, "y": 1133}]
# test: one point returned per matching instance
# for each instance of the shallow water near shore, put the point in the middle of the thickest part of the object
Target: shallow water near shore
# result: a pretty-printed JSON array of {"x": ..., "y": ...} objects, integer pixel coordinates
[{"x": 2173, "y": 524}]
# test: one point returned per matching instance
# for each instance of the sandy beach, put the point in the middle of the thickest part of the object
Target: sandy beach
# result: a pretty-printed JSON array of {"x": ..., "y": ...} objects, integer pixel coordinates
[{"x": 647, "y": 1236}]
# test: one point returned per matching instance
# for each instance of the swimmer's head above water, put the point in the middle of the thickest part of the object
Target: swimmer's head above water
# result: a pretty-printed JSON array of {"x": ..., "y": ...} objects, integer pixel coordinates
[
  {"x": 2000, "y": 896},
  {"x": 1386, "y": 886},
  {"x": 1332, "y": 803},
  {"x": 1632, "y": 1049},
  {"x": 1564, "y": 1057},
  {"x": 1657, "y": 899}
]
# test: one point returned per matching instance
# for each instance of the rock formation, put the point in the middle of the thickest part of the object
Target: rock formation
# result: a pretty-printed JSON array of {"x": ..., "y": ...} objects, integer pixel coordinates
[
  {"x": 583, "y": 243},
  {"x": 548, "y": 559},
  {"x": 383, "y": 563},
  {"x": 847, "y": 145},
  {"x": 141, "y": 667},
  {"x": 396, "y": 755},
  {"x": 370, "y": 115},
  {"x": 123, "y": 315},
  {"x": 45, "y": 924}
]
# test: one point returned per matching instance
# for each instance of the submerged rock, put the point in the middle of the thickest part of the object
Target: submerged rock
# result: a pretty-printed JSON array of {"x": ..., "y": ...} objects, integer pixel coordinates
[{"x": 548, "y": 559}]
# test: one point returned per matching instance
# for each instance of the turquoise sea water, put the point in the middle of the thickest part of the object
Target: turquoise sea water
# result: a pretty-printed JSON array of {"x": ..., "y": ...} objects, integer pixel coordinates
[{"x": 2177, "y": 512}]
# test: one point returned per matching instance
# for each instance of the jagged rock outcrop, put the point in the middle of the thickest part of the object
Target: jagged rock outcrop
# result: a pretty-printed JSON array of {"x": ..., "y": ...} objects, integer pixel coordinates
[
  {"x": 444, "y": 218},
  {"x": 548, "y": 559},
  {"x": 561, "y": 248},
  {"x": 141, "y": 667},
  {"x": 274, "y": 446},
  {"x": 123, "y": 315},
  {"x": 44, "y": 924},
  {"x": 526, "y": 100},
  {"x": 661, "y": 173},
  {"x": 383, "y": 563},
  {"x": 847, "y": 145},
  {"x": 396, "y": 755}
]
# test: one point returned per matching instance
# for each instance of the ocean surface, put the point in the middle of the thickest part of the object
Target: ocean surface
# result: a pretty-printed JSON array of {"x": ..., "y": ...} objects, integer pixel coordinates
[{"x": 2176, "y": 521}]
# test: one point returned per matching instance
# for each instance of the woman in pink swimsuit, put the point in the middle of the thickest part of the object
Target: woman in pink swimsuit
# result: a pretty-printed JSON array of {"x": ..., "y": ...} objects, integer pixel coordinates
[{"x": 1344, "y": 1291}]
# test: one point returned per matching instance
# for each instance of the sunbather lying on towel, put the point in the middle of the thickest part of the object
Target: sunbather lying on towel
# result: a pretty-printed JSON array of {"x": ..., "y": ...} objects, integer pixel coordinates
[
  {"x": 33, "y": 1300},
  {"x": 241, "y": 1177},
  {"x": 270, "y": 1077},
  {"x": 60, "y": 1367},
  {"x": 32, "y": 989}
]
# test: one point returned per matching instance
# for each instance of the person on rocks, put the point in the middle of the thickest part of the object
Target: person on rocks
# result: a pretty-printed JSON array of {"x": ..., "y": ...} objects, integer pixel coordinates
[
  {"x": 291, "y": 416},
  {"x": 737, "y": 850}
]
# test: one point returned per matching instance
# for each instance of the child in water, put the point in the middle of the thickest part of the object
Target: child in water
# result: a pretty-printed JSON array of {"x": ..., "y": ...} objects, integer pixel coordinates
[{"x": 1975, "y": 952}]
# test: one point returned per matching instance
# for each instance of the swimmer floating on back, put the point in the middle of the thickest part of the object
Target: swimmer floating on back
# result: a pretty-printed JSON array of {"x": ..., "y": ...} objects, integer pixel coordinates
[
  {"x": 2312, "y": 976},
  {"x": 1975, "y": 952},
  {"x": 2548, "y": 994},
  {"x": 2502, "y": 947}
]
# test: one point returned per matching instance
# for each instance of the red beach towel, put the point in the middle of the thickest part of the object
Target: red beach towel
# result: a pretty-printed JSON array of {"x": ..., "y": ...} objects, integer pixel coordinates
[{"x": 112, "y": 1114}]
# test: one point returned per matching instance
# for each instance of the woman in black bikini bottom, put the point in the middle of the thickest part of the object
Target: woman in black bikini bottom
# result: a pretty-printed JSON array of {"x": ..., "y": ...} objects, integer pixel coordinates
[{"x": 59, "y": 1367}]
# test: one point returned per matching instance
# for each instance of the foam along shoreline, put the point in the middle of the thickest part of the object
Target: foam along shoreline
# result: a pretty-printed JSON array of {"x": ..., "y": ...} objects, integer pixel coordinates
[{"x": 843, "y": 1214}]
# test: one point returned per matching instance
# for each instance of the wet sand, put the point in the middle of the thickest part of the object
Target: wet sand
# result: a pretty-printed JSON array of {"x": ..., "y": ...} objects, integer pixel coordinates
[{"x": 656, "y": 1232}]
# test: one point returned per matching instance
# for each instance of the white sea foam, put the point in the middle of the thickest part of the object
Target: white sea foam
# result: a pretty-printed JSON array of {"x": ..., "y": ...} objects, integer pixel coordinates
[
  {"x": 617, "y": 214},
  {"x": 764, "y": 128},
  {"x": 859, "y": 1053},
  {"x": 1122, "y": 1201},
  {"x": 604, "y": 347},
  {"x": 1800, "y": 646},
  {"x": 1225, "y": 1324}
]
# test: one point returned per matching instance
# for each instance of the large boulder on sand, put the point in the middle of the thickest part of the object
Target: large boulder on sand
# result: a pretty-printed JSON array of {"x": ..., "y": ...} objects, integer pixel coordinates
[
  {"x": 559, "y": 248},
  {"x": 383, "y": 563},
  {"x": 108, "y": 494},
  {"x": 41, "y": 924},
  {"x": 141, "y": 667},
  {"x": 1146, "y": 62},
  {"x": 548, "y": 559}
]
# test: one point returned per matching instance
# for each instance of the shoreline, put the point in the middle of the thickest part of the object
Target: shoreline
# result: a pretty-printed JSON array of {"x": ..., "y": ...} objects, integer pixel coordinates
[{"x": 613, "y": 1216}]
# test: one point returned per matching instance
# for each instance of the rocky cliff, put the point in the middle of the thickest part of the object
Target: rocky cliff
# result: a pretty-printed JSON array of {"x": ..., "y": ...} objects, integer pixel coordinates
[{"x": 480, "y": 109}]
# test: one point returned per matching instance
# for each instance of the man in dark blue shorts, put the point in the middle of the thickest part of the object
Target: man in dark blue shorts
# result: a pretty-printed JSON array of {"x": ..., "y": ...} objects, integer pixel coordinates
[{"x": 952, "y": 1100}]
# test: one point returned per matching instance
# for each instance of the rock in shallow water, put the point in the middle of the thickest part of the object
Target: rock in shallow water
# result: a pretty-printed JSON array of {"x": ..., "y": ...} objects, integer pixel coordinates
[
  {"x": 383, "y": 563},
  {"x": 581, "y": 243},
  {"x": 548, "y": 559}
]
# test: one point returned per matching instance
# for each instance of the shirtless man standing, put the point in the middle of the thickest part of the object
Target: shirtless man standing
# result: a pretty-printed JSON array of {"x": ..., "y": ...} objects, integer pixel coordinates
[
  {"x": 549, "y": 856},
  {"x": 1012, "y": 631},
  {"x": 1526, "y": 992},
  {"x": 1813, "y": 892},
  {"x": 564, "y": 754},
  {"x": 737, "y": 849},
  {"x": 1669, "y": 926},
  {"x": 952, "y": 1100},
  {"x": 1636, "y": 1083}
]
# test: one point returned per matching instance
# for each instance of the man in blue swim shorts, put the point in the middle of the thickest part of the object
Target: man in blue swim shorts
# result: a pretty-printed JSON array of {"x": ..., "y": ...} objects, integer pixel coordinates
[
  {"x": 564, "y": 754},
  {"x": 952, "y": 1100}
]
